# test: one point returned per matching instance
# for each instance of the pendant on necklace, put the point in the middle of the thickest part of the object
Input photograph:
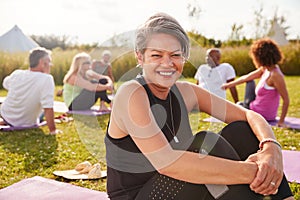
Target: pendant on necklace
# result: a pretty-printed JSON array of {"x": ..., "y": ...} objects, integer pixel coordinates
[{"x": 176, "y": 139}]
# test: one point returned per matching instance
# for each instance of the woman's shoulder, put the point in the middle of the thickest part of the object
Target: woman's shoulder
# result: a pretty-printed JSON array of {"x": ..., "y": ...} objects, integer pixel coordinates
[
  {"x": 183, "y": 84},
  {"x": 187, "y": 88},
  {"x": 276, "y": 76},
  {"x": 129, "y": 84},
  {"x": 276, "y": 72},
  {"x": 129, "y": 87}
]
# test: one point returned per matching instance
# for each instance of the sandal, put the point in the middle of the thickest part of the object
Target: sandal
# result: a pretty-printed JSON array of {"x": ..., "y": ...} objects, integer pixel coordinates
[
  {"x": 84, "y": 170},
  {"x": 95, "y": 171},
  {"x": 83, "y": 167}
]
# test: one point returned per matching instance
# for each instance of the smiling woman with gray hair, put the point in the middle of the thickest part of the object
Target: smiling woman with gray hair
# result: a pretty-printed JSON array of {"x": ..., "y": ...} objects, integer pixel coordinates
[{"x": 150, "y": 149}]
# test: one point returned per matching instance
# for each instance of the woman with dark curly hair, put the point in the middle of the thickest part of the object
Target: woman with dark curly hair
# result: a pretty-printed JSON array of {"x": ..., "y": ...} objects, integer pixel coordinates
[{"x": 265, "y": 97}]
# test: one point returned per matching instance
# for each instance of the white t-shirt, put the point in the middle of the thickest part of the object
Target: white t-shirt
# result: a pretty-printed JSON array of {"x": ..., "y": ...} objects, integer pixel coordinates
[
  {"x": 28, "y": 93},
  {"x": 213, "y": 78}
]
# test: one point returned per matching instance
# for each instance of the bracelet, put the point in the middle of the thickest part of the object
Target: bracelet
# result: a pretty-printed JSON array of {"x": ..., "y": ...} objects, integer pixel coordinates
[{"x": 261, "y": 144}]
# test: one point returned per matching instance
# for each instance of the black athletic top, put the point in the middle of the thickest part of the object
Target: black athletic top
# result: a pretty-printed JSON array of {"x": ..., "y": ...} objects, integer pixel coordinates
[{"x": 127, "y": 168}]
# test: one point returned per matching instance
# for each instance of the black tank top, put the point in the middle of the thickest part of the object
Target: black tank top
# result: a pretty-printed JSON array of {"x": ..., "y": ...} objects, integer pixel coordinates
[{"x": 127, "y": 168}]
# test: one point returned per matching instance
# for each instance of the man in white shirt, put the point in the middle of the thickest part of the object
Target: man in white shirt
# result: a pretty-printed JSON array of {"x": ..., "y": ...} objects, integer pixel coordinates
[
  {"x": 212, "y": 75},
  {"x": 30, "y": 92}
]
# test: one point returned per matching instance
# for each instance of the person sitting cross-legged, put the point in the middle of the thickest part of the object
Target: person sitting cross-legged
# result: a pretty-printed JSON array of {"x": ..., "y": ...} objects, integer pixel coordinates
[
  {"x": 80, "y": 90},
  {"x": 30, "y": 93}
]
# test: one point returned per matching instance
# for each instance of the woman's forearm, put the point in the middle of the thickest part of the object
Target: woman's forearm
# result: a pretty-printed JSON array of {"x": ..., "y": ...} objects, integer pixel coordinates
[
  {"x": 259, "y": 125},
  {"x": 235, "y": 82},
  {"x": 204, "y": 169}
]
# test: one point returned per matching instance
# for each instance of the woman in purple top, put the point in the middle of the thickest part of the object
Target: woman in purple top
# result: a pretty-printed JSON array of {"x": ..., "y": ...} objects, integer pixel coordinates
[{"x": 266, "y": 56}]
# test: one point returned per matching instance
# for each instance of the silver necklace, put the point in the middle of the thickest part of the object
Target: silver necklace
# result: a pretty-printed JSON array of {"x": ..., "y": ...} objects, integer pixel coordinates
[{"x": 172, "y": 121}]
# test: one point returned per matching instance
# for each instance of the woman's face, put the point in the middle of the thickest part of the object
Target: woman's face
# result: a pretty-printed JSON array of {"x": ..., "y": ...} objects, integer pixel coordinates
[
  {"x": 162, "y": 61},
  {"x": 86, "y": 65}
]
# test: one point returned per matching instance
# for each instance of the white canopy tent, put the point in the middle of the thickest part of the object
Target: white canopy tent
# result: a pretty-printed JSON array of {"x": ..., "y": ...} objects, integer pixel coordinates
[
  {"x": 277, "y": 34},
  {"x": 16, "y": 41}
]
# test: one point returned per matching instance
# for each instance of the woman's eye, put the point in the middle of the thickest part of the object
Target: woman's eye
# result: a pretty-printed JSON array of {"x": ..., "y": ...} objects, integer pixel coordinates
[
  {"x": 155, "y": 55},
  {"x": 176, "y": 55}
]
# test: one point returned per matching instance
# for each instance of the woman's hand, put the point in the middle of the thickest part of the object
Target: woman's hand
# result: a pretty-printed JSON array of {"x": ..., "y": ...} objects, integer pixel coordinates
[
  {"x": 270, "y": 169},
  {"x": 55, "y": 132},
  {"x": 110, "y": 87},
  {"x": 282, "y": 124}
]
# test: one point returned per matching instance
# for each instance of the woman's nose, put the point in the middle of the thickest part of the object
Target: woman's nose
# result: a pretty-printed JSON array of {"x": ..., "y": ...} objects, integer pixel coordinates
[{"x": 167, "y": 61}]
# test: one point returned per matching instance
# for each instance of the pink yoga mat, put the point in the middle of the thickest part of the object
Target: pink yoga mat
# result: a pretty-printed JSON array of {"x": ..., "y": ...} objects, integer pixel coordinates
[
  {"x": 291, "y": 165},
  {"x": 47, "y": 189},
  {"x": 18, "y": 128},
  {"x": 292, "y": 122},
  {"x": 91, "y": 112}
]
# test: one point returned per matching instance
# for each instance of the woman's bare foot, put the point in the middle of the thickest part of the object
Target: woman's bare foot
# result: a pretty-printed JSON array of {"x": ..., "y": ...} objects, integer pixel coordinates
[{"x": 103, "y": 108}]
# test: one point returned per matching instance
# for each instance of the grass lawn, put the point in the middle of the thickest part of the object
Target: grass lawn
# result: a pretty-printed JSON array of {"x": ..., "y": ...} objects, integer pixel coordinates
[{"x": 25, "y": 154}]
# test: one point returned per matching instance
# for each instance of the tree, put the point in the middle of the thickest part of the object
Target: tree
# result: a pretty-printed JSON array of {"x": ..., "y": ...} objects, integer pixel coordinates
[
  {"x": 261, "y": 23},
  {"x": 52, "y": 41},
  {"x": 194, "y": 10},
  {"x": 236, "y": 32}
]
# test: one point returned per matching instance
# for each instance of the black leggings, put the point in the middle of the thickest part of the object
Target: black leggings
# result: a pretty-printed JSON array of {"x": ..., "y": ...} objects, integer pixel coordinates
[
  {"x": 236, "y": 142},
  {"x": 86, "y": 99}
]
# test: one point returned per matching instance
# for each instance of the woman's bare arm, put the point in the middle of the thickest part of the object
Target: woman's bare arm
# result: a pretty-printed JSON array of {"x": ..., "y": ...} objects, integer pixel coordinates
[{"x": 134, "y": 117}]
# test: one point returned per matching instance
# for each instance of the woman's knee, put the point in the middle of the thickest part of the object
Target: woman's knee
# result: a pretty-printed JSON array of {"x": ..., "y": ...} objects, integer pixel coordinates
[
  {"x": 210, "y": 143},
  {"x": 241, "y": 137}
]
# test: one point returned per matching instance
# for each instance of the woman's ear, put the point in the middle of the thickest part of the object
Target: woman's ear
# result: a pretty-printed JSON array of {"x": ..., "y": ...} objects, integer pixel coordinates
[{"x": 139, "y": 57}]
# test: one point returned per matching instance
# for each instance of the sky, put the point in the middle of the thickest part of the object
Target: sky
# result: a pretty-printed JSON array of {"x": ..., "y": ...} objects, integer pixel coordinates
[{"x": 96, "y": 21}]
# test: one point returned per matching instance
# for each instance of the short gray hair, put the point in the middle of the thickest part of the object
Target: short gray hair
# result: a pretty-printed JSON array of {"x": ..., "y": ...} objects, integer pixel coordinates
[
  {"x": 106, "y": 52},
  {"x": 36, "y": 54},
  {"x": 213, "y": 50},
  {"x": 161, "y": 23}
]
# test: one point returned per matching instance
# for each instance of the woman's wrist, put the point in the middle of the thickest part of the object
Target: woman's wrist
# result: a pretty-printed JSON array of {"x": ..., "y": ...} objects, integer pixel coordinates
[
  {"x": 249, "y": 172},
  {"x": 268, "y": 140}
]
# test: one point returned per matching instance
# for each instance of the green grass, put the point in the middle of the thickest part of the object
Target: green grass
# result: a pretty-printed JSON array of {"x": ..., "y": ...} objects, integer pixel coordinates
[{"x": 25, "y": 154}]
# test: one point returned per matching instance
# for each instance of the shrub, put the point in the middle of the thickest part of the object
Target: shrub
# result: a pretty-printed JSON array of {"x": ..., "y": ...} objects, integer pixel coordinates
[
  {"x": 291, "y": 64},
  {"x": 124, "y": 61},
  {"x": 11, "y": 62}
]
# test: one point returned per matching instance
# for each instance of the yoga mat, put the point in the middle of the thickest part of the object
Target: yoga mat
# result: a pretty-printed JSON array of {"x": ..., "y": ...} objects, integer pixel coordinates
[
  {"x": 91, "y": 112},
  {"x": 60, "y": 107},
  {"x": 291, "y": 165},
  {"x": 17, "y": 128},
  {"x": 292, "y": 122},
  {"x": 47, "y": 189}
]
